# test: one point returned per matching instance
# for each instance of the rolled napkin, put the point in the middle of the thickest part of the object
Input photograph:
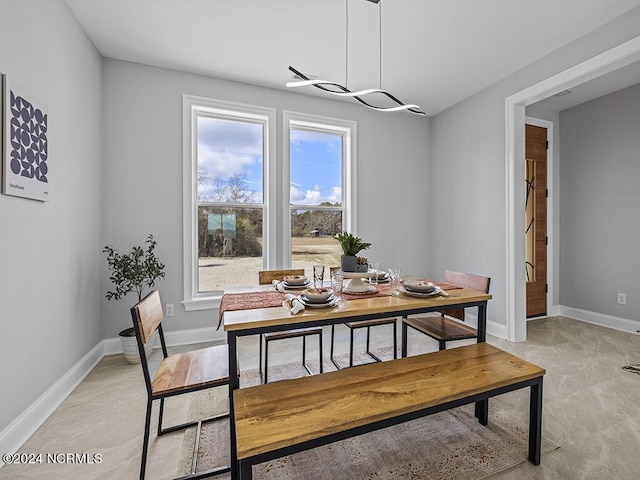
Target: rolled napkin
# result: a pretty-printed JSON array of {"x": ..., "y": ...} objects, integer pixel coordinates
[
  {"x": 278, "y": 285},
  {"x": 293, "y": 303},
  {"x": 441, "y": 292}
]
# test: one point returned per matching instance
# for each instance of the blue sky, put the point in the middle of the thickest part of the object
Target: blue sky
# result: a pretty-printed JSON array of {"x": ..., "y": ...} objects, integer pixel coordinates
[{"x": 227, "y": 148}]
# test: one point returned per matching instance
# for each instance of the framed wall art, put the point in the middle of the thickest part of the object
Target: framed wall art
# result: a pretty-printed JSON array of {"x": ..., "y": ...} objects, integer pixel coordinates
[{"x": 24, "y": 143}]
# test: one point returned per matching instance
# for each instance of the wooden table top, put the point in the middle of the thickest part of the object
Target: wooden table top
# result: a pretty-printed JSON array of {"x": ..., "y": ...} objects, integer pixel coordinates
[
  {"x": 238, "y": 320},
  {"x": 289, "y": 412}
]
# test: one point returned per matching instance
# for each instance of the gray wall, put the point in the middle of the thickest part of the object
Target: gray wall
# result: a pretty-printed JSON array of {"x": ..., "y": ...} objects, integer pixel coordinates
[
  {"x": 50, "y": 279},
  {"x": 468, "y": 165},
  {"x": 143, "y": 173},
  {"x": 599, "y": 204}
]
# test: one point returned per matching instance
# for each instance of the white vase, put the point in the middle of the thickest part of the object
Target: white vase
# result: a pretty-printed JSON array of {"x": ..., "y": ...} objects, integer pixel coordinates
[{"x": 130, "y": 345}]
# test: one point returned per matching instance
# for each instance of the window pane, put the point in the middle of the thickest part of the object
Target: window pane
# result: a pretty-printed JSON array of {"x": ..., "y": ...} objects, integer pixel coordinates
[
  {"x": 312, "y": 241},
  {"x": 229, "y": 247},
  {"x": 315, "y": 168},
  {"x": 230, "y": 161}
]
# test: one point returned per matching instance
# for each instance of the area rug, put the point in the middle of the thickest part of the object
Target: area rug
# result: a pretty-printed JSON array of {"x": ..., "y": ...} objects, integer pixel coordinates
[{"x": 447, "y": 445}]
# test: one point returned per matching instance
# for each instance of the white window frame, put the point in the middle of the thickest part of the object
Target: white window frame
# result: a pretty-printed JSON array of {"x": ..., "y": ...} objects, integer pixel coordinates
[
  {"x": 192, "y": 106},
  {"x": 348, "y": 130}
]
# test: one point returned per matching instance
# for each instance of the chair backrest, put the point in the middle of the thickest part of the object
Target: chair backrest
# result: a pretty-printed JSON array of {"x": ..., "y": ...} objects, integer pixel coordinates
[
  {"x": 265, "y": 277},
  {"x": 465, "y": 280},
  {"x": 147, "y": 313}
]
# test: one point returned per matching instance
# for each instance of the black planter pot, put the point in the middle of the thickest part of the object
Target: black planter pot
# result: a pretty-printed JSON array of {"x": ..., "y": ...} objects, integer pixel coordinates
[{"x": 348, "y": 263}]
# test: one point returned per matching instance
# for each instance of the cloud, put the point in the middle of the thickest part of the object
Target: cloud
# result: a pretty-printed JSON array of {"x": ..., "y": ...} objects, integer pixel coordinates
[{"x": 316, "y": 196}]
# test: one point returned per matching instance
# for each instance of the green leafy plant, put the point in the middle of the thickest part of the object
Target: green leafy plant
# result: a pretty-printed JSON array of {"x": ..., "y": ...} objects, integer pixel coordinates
[
  {"x": 133, "y": 271},
  {"x": 351, "y": 244}
]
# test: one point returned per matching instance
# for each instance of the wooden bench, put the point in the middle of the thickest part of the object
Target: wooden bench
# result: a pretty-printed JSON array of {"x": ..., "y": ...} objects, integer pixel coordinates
[{"x": 290, "y": 416}]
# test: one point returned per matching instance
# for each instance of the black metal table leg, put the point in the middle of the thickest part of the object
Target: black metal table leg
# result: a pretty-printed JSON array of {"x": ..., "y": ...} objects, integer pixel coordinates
[
  {"x": 482, "y": 411},
  {"x": 482, "y": 407},
  {"x": 234, "y": 383},
  {"x": 535, "y": 423},
  {"x": 246, "y": 472},
  {"x": 482, "y": 322}
]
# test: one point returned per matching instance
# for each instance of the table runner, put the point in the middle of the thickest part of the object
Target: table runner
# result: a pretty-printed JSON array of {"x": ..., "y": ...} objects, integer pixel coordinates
[{"x": 251, "y": 300}]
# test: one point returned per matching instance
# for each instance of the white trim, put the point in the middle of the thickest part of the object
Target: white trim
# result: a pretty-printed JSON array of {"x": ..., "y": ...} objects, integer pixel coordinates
[
  {"x": 515, "y": 104},
  {"x": 18, "y": 432},
  {"x": 601, "y": 319},
  {"x": 348, "y": 130},
  {"x": 112, "y": 346},
  {"x": 493, "y": 328},
  {"x": 191, "y": 106},
  {"x": 548, "y": 124}
]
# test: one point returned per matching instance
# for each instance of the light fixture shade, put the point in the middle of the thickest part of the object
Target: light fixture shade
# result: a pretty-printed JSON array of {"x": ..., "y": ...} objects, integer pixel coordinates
[{"x": 342, "y": 91}]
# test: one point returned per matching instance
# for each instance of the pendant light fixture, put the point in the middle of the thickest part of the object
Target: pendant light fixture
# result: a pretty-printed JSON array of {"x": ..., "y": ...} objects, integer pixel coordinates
[{"x": 334, "y": 88}]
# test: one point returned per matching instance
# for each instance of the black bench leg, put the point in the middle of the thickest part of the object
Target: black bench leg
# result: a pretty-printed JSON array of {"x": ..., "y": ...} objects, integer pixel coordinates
[
  {"x": 245, "y": 470},
  {"x": 535, "y": 423},
  {"x": 482, "y": 411}
]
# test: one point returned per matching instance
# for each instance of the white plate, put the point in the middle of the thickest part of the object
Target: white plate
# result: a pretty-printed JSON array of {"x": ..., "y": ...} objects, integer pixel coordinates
[
  {"x": 296, "y": 280},
  {"x": 296, "y": 287},
  {"x": 309, "y": 304},
  {"x": 306, "y": 299},
  {"x": 370, "y": 289},
  {"x": 418, "y": 294},
  {"x": 420, "y": 286},
  {"x": 316, "y": 295}
]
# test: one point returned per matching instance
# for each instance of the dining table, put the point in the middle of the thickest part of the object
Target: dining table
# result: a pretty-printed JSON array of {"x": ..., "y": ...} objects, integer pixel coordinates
[{"x": 257, "y": 310}]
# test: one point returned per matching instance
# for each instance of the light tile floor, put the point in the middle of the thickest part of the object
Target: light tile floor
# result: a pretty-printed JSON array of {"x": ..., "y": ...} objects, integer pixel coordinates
[{"x": 591, "y": 408}]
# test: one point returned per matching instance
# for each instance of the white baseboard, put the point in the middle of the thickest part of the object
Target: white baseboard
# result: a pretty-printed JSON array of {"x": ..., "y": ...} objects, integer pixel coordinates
[
  {"x": 493, "y": 328},
  {"x": 609, "y": 321},
  {"x": 19, "y": 431},
  {"x": 112, "y": 346}
]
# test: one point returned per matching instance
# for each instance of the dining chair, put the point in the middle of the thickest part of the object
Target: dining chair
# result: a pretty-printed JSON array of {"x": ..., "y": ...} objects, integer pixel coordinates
[
  {"x": 266, "y": 277},
  {"x": 177, "y": 374},
  {"x": 448, "y": 325},
  {"x": 368, "y": 324}
]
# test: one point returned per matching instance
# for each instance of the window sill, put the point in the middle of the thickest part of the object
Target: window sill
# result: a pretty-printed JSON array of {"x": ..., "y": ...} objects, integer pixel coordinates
[{"x": 203, "y": 303}]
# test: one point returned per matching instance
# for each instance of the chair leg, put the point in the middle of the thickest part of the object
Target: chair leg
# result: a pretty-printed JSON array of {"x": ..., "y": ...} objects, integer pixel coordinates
[
  {"x": 304, "y": 355},
  {"x": 351, "y": 346},
  {"x": 368, "y": 350},
  {"x": 404, "y": 339},
  {"x": 160, "y": 432},
  {"x": 266, "y": 360},
  {"x": 145, "y": 439},
  {"x": 395, "y": 341},
  {"x": 333, "y": 327},
  {"x": 442, "y": 344},
  {"x": 260, "y": 339},
  {"x": 321, "y": 352}
]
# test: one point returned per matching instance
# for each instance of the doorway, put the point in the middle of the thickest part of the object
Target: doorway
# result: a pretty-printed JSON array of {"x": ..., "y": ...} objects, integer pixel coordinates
[
  {"x": 536, "y": 239},
  {"x": 601, "y": 64}
]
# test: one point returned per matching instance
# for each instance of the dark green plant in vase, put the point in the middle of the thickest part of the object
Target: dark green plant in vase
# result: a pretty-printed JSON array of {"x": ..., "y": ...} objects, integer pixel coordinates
[
  {"x": 136, "y": 271},
  {"x": 351, "y": 246}
]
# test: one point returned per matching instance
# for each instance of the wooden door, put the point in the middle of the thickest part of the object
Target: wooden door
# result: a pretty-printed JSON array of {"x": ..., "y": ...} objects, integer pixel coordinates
[{"x": 536, "y": 219}]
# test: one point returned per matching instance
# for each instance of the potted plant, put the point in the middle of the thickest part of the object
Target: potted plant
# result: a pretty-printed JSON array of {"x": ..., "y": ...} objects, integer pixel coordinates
[
  {"x": 136, "y": 271},
  {"x": 351, "y": 246}
]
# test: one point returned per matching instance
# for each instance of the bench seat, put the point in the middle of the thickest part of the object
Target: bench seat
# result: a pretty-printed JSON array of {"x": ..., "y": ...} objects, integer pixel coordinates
[{"x": 285, "y": 417}]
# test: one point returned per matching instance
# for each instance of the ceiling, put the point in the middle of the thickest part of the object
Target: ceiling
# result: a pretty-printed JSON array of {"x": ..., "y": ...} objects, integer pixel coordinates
[{"x": 433, "y": 53}]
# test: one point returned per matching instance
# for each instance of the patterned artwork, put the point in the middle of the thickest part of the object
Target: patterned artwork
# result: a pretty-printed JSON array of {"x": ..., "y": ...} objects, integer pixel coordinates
[{"x": 26, "y": 167}]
